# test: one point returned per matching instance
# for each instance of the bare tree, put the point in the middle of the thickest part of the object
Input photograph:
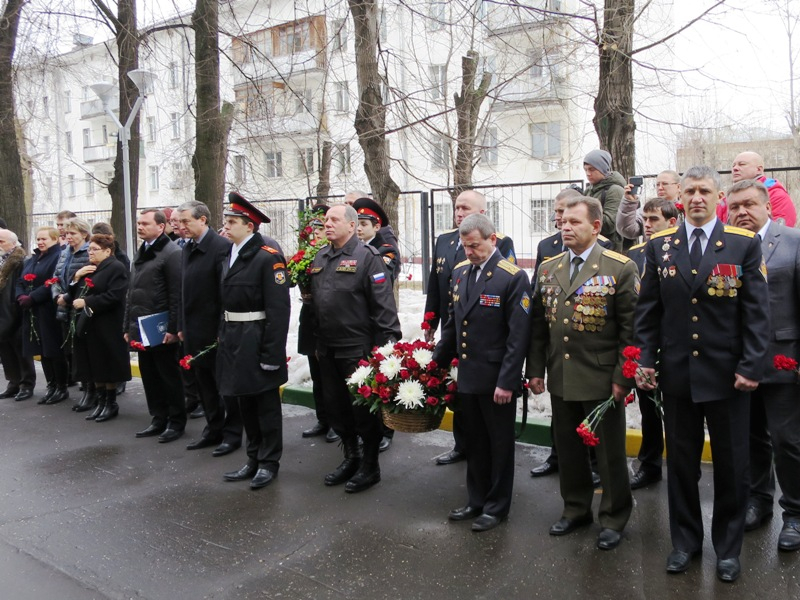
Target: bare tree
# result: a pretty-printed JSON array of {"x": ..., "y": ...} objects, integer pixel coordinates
[{"x": 468, "y": 106}]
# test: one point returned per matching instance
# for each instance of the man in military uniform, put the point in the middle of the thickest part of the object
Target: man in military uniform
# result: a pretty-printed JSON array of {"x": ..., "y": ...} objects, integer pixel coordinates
[
  {"x": 582, "y": 320},
  {"x": 703, "y": 307},
  {"x": 355, "y": 310},
  {"x": 774, "y": 410},
  {"x": 371, "y": 221},
  {"x": 251, "y": 357},
  {"x": 657, "y": 215},
  {"x": 487, "y": 329},
  {"x": 448, "y": 253}
]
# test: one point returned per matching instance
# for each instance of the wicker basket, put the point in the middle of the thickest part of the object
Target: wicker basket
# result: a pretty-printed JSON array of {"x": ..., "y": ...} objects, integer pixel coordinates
[{"x": 411, "y": 421}]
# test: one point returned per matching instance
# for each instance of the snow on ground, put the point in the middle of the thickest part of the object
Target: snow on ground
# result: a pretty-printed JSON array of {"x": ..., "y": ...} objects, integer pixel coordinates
[{"x": 411, "y": 310}]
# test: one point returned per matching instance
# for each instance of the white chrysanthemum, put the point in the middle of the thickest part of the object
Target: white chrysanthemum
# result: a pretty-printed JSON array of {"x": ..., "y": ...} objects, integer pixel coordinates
[
  {"x": 453, "y": 374},
  {"x": 423, "y": 357},
  {"x": 386, "y": 349},
  {"x": 390, "y": 366},
  {"x": 410, "y": 394},
  {"x": 360, "y": 376}
]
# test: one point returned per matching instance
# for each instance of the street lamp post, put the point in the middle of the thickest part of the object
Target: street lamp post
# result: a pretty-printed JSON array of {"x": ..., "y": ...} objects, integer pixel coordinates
[{"x": 144, "y": 81}]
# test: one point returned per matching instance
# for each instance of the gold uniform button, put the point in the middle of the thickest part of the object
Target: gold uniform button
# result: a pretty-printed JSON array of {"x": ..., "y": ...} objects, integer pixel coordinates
[
  {"x": 694, "y": 300},
  {"x": 695, "y": 319},
  {"x": 464, "y": 356},
  {"x": 566, "y": 321},
  {"x": 463, "y": 334},
  {"x": 695, "y": 353},
  {"x": 463, "y": 344},
  {"x": 566, "y": 303},
  {"x": 695, "y": 336},
  {"x": 464, "y": 323},
  {"x": 566, "y": 339},
  {"x": 566, "y": 357}
]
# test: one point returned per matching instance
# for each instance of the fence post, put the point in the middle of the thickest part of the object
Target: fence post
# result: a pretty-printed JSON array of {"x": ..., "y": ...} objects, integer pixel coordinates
[{"x": 426, "y": 250}]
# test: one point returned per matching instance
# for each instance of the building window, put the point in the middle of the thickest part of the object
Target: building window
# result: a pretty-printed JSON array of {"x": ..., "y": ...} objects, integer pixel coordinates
[
  {"x": 89, "y": 184},
  {"x": 292, "y": 38},
  {"x": 342, "y": 158},
  {"x": 541, "y": 216},
  {"x": 174, "y": 75},
  {"x": 153, "y": 178},
  {"x": 383, "y": 27},
  {"x": 305, "y": 161},
  {"x": 86, "y": 93},
  {"x": 274, "y": 164},
  {"x": 87, "y": 138},
  {"x": 46, "y": 106},
  {"x": 46, "y": 144},
  {"x": 105, "y": 134},
  {"x": 48, "y": 188},
  {"x": 151, "y": 129},
  {"x": 342, "y": 97},
  {"x": 176, "y": 126},
  {"x": 68, "y": 142},
  {"x": 438, "y": 75},
  {"x": 67, "y": 102},
  {"x": 239, "y": 169},
  {"x": 536, "y": 58},
  {"x": 545, "y": 139},
  {"x": 339, "y": 27},
  {"x": 490, "y": 146},
  {"x": 440, "y": 149},
  {"x": 553, "y": 5},
  {"x": 70, "y": 186},
  {"x": 436, "y": 12},
  {"x": 302, "y": 101},
  {"x": 443, "y": 216}
]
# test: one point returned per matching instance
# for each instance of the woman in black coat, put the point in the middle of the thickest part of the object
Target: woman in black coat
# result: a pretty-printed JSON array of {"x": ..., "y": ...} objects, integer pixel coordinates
[
  {"x": 41, "y": 333},
  {"x": 98, "y": 298}
]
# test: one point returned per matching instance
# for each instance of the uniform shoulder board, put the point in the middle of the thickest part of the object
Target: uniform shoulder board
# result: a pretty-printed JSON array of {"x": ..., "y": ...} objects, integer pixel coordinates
[
  {"x": 739, "y": 231},
  {"x": 552, "y": 258},
  {"x": 508, "y": 267},
  {"x": 448, "y": 231},
  {"x": 638, "y": 246},
  {"x": 372, "y": 249},
  {"x": 270, "y": 249},
  {"x": 667, "y": 231},
  {"x": 463, "y": 263},
  {"x": 500, "y": 236},
  {"x": 616, "y": 256},
  {"x": 602, "y": 238}
]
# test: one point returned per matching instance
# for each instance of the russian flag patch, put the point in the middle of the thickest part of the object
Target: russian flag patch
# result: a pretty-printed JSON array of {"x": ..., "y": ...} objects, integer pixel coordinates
[{"x": 379, "y": 277}]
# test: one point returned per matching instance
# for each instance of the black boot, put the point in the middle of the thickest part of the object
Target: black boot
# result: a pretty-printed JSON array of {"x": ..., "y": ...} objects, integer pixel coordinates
[
  {"x": 88, "y": 400},
  {"x": 369, "y": 472},
  {"x": 111, "y": 408},
  {"x": 121, "y": 387},
  {"x": 62, "y": 393},
  {"x": 51, "y": 391},
  {"x": 352, "y": 459},
  {"x": 101, "y": 404}
]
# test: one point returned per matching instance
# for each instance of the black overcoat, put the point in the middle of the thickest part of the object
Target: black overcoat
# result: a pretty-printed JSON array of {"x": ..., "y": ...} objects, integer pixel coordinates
[{"x": 48, "y": 343}]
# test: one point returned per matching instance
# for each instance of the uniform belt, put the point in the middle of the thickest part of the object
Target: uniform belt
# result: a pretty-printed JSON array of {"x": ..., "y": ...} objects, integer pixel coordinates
[{"x": 245, "y": 316}]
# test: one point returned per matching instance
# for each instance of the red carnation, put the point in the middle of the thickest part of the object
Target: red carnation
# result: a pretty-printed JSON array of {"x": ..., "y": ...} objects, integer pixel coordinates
[
  {"x": 784, "y": 363},
  {"x": 365, "y": 391},
  {"x": 138, "y": 345},
  {"x": 632, "y": 352},
  {"x": 186, "y": 362},
  {"x": 629, "y": 399},
  {"x": 384, "y": 392},
  {"x": 454, "y": 362},
  {"x": 429, "y": 315},
  {"x": 51, "y": 281},
  {"x": 363, "y": 363},
  {"x": 88, "y": 283},
  {"x": 679, "y": 206},
  {"x": 433, "y": 382},
  {"x": 30, "y": 277},
  {"x": 381, "y": 378},
  {"x": 432, "y": 401},
  {"x": 629, "y": 369},
  {"x": 425, "y": 326},
  {"x": 404, "y": 374}
]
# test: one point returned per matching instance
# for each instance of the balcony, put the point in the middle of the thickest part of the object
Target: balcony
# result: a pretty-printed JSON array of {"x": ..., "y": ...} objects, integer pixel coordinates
[
  {"x": 94, "y": 108},
  {"x": 103, "y": 152},
  {"x": 280, "y": 67},
  {"x": 510, "y": 19},
  {"x": 519, "y": 92},
  {"x": 302, "y": 122}
]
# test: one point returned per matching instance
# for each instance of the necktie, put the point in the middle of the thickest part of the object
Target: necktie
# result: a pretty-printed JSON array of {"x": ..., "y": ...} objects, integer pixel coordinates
[
  {"x": 696, "y": 251},
  {"x": 576, "y": 266},
  {"x": 471, "y": 276}
]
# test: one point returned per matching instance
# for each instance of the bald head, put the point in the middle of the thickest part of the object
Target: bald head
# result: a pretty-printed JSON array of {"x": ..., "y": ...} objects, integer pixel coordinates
[
  {"x": 469, "y": 202},
  {"x": 747, "y": 165}
]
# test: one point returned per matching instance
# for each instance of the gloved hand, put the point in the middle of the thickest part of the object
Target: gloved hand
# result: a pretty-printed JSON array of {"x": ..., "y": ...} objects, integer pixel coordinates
[{"x": 25, "y": 301}]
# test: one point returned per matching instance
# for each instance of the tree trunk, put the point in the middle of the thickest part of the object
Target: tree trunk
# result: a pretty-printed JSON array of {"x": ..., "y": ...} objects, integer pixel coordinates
[
  {"x": 613, "y": 107},
  {"x": 370, "y": 122},
  {"x": 325, "y": 157},
  {"x": 468, "y": 107},
  {"x": 214, "y": 119},
  {"x": 12, "y": 192}
]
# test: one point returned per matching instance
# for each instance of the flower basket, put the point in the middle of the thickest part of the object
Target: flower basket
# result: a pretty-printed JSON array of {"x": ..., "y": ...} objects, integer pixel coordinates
[{"x": 409, "y": 421}]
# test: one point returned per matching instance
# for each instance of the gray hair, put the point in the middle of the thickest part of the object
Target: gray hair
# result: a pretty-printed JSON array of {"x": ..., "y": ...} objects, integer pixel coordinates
[
  {"x": 196, "y": 208},
  {"x": 702, "y": 172},
  {"x": 478, "y": 222},
  {"x": 11, "y": 236},
  {"x": 593, "y": 207},
  {"x": 750, "y": 184},
  {"x": 567, "y": 193},
  {"x": 349, "y": 213},
  {"x": 79, "y": 225}
]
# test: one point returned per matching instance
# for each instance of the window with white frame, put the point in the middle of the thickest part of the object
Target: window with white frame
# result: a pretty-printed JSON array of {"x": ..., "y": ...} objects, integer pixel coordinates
[
  {"x": 89, "y": 184},
  {"x": 440, "y": 150},
  {"x": 239, "y": 169},
  {"x": 342, "y": 158},
  {"x": 342, "y": 96},
  {"x": 536, "y": 58},
  {"x": 490, "y": 146},
  {"x": 545, "y": 139},
  {"x": 68, "y": 142},
  {"x": 443, "y": 216},
  {"x": 48, "y": 188},
  {"x": 302, "y": 101},
  {"x": 87, "y": 137},
  {"x": 175, "y": 118},
  {"x": 67, "y": 101},
  {"x": 174, "y": 75},
  {"x": 153, "y": 178},
  {"x": 541, "y": 215},
  {"x": 86, "y": 92},
  {"x": 438, "y": 77},
  {"x": 105, "y": 134},
  {"x": 46, "y": 106},
  {"x": 339, "y": 29},
  {"x": 151, "y": 129},
  {"x": 383, "y": 26},
  {"x": 305, "y": 161},
  {"x": 70, "y": 186},
  {"x": 274, "y": 162},
  {"x": 46, "y": 144},
  {"x": 436, "y": 14}
]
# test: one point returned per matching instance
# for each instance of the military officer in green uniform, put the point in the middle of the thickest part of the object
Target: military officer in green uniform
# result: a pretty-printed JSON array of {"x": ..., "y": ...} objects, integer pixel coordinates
[{"x": 582, "y": 319}]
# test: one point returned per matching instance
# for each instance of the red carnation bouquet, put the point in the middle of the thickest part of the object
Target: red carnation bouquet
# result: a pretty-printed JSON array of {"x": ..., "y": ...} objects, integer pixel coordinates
[
  {"x": 88, "y": 284},
  {"x": 299, "y": 266},
  {"x": 186, "y": 361},
  {"x": 29, "y": 278},
  {"x": 785, "y": 363}
]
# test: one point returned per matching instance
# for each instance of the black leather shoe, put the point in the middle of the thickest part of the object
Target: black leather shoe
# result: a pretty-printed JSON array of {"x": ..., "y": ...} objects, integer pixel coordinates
[
  {"x": 246, "y": 472},
  {"x": 365, "y": 478},
  {"x": 385, "y": 443},
  {"x": 543, "y": 469},
  {"x": 225, "y": 448},
  {"x": 121, "y": 387},
  {"x": 486, "y": 522},
  {"x": 60, "y": 395},
  {"x": 151, "y": 431},
  {"x": 197, "y": 413},
  {"x": 51, "y": 391},
  {"x": 9, "y": 393},
  {"x": 451, "y": 457},
  {"x": 317, "y": 429},
  {"x": 332, "y": 436},
  {"x": 596, "y": 483},
  {"x": 728, "y": 569},
  {"x": 678, "y": 560},
  {"x": 789, "y": 538},
  {"x": 564, "y": 525},
  {"x": 262, "y": 479},
  {"x": 170, "y": 435},
  {"x": 608, "y": 539},
  {"x": 464, "y": 513},
  {"x": 644, "y": 478},
  {"x": 755, "y": 517},
  {"x": 202, "y": 443},
  {"x": 24, "y": 394}
]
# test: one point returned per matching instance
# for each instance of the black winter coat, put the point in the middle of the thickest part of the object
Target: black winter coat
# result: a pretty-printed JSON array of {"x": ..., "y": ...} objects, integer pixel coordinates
[
  {"x": 49, "y": 340},
  {"x": 10, "y": 311}
]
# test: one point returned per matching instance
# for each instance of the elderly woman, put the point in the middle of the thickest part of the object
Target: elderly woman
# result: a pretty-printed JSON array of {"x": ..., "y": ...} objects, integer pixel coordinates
[
  {"x": 74, "y": 256},
  {"x": 98, "y": 297},
  {"x": 41, "y": 333}
]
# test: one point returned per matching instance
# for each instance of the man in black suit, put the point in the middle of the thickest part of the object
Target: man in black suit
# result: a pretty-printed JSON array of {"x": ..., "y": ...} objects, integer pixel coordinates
[
  {"x": 447, "y": 253},
  {"x": 702, "y": 305},
  {"x": 487, "y": 329},
  {"x": 658, "y": 214},
  {"x": 774, "y": 410},
  {"x": 203, "y": 258}
]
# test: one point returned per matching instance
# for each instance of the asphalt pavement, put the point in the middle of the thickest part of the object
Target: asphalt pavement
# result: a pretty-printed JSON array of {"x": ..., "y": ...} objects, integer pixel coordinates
[{"x": 89, "y": 512}]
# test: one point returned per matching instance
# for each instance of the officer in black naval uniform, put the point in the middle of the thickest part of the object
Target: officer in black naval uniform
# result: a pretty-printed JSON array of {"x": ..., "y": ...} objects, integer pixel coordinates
[
  {"x": 774, "y": 410},
  {"x": 371, "y": 211},
  {"x": 447, "y": 254},
  {"x": 702, "y": 306},
  {"x": 251, "y": 358},
  {"x": 355, "y": 309},
  {"x": 203, "y": 258},
  {"x": 488, "y": 330}
]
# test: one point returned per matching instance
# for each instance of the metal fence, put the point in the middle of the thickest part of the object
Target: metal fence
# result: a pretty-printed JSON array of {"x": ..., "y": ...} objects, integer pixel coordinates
[{"x": 49, "y": 220}]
